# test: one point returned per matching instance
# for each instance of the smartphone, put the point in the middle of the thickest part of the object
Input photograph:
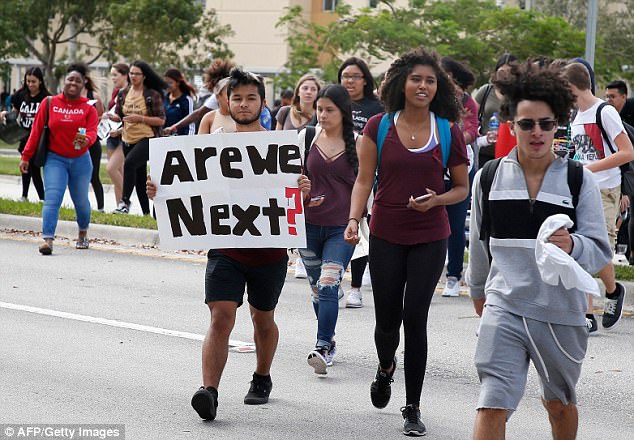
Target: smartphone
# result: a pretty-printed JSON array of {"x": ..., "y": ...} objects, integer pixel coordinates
[{"x": 422, "y": 198}]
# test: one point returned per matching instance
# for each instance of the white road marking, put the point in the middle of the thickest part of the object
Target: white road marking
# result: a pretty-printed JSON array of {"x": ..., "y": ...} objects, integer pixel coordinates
[{"x": 115, "y": 323}]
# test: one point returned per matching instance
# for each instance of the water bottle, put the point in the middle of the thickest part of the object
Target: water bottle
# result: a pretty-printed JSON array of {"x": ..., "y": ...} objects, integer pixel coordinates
[
  {"x": 494, "y": 126},
  {"x": 81, "y": 131}
]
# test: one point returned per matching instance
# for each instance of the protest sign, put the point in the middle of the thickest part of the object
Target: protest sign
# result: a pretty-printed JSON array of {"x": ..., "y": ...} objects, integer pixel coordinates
[{"x": 228, "y": 190}]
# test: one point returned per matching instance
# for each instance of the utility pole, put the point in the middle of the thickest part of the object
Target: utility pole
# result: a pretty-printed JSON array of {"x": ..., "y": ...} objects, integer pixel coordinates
[{"x": 591, "y": 31}]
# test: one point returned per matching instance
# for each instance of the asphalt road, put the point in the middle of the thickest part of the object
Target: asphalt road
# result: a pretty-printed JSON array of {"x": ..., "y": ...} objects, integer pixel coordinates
[{"x": 126, "y": 350}]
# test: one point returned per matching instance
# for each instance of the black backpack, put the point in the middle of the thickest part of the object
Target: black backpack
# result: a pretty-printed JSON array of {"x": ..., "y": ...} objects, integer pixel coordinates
[
  {"x": 575, "y": 180},
  {"x": 627, "y": 169}
]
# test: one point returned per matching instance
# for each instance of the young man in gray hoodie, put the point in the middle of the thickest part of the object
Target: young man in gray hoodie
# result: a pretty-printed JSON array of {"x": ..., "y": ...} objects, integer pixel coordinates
[{"x": 522, "y": 317}]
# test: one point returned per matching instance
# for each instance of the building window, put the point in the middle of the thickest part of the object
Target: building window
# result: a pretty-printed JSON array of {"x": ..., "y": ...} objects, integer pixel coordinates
[
  {"x": 330, "y": 5},
  {"x": 373, "y": 3}
]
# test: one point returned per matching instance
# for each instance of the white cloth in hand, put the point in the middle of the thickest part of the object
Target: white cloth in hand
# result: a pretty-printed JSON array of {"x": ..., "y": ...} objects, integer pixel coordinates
[{"x": 554, "y": 264}]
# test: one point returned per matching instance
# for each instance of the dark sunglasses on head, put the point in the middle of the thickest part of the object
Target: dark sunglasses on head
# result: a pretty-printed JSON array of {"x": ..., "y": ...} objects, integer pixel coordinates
[{"x": 529, "y": 124}]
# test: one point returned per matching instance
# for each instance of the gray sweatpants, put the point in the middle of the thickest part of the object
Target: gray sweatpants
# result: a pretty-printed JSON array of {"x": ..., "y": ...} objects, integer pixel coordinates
[{"x": 507, "y": 343}]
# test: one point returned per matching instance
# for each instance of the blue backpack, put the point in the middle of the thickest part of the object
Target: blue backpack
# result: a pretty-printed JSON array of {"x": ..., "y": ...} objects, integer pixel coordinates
[{"x": 444, "y": 131}]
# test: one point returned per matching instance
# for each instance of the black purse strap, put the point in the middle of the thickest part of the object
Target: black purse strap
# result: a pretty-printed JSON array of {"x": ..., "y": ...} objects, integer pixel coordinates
[{"x": 48, "y": 109}]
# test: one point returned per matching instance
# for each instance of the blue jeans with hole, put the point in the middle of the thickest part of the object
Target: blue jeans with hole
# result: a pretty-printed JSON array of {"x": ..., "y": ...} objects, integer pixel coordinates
[
  {"x": 325, "y": 259},
  {"x": 61, "y": 172}
]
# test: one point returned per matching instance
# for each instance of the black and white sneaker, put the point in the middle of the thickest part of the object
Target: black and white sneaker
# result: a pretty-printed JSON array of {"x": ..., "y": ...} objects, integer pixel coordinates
[
  {"x": 613, "y": 308},
  {"x": 258, "y": 391},
  {"x": 122, "y": 208},
  {"x": 381, "y": 388},
  {"x": 591, "y": 323},
  {"x": 413, "y": 425},
  {"x": 205, "y": 402},
  {"x": 317, "y": 360}
]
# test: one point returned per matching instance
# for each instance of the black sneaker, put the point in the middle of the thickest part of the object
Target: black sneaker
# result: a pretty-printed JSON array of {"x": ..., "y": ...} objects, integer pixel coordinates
[
  {"x": 259, "y": 391},
  {"x": 613, "y": 308},
  {"x": 413, "y": 425},
  {"x": 381, "y": 388},
  {"x": 205, "y": 402},
  {"x": 591, "y": 323}
]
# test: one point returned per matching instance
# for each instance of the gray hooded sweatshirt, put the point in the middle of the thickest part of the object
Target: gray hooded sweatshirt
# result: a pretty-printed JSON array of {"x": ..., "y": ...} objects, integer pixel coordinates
[{"x": 512, "y": 281}]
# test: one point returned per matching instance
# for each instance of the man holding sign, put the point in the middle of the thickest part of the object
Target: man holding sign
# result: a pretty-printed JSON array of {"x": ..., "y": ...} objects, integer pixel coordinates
[{"x": 229, "y": 270}]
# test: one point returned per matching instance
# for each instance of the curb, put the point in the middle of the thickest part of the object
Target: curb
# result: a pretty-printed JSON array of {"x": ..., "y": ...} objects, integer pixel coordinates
[{"x": 68, "y": 229}]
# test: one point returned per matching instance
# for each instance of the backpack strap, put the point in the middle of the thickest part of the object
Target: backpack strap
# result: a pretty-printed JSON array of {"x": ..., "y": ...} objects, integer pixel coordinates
[
  {"x": 486, "y": 181},
  {"x": 600, "y": 124},
  {"x": 384, "y": 126},
  {"x": 444, "y": 130},
  {"x": 575, "y": 180},
  {"x": 308, "y": 142},
  {"x": 483, "y": 103}
]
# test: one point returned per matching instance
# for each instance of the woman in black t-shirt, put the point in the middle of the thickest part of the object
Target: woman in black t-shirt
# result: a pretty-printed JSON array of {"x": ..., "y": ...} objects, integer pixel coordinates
[
  {"x": 355, "y": 76},
  {"x": 25, "y": 102}
]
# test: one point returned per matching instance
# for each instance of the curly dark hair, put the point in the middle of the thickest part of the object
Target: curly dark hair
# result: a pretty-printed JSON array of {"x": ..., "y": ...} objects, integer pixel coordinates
[
  {"x": 528, "y": 81},
  {"x": 445, "y": 104},
  {"x": 340, "y": 97},
  {"x": 370, "y": 85},
  {"x": 152, "y": 80},
  {"x": 218, "y": 70}
]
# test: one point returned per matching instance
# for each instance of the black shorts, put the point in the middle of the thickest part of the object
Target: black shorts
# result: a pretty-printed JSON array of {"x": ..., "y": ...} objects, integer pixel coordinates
[{"x": 225, "y": 280}]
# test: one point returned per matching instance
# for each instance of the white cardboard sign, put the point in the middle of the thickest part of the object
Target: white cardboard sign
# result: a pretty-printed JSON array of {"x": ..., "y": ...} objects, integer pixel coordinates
[{"x": 228, "y": 190}]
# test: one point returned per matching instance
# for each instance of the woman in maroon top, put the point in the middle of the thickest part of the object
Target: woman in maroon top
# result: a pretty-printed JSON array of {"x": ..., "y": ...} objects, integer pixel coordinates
[
  {"x": 329, "y": 175},
  {"x": 408, "y": 237}
]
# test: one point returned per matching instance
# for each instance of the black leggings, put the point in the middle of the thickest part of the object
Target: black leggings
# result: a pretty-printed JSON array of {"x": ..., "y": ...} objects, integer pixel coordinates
[
  {"x": 357, "y": 267},
  {"x": 97, "y": 187},
  {"x": 404, "y": 279},
  {"x": 34, "y": 173},
  {"x": 135, "y": 172}
]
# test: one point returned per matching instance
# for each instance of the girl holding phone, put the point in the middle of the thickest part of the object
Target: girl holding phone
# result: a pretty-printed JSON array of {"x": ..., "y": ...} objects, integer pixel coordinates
[
  {"x": 329, "y": 174},
  {"x": 408, "y": 238}
]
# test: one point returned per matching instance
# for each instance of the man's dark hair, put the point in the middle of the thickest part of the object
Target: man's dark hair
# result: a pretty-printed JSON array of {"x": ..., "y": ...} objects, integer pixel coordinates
[
  {"x": 529, "y": 82},
  {"x": 619, "y": 85},
  {"x": 287, "y": 94},
  {"x": 445, "y": 104},
  {"x": 239, "y": 77}
]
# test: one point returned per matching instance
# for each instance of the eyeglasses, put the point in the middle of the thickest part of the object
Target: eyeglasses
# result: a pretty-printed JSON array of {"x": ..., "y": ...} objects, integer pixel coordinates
[
  {"x": 529, "y": 124},
  {"x": 351, "y": 77}
]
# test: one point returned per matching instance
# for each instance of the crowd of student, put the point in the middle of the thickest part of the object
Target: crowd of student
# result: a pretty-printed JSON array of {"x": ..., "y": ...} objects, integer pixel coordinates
[{"x": 387, "y": 179}]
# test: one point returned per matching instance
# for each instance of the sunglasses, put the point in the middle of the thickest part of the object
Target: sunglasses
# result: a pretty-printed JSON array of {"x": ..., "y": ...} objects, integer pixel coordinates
[{"x": 529, "y": 124}]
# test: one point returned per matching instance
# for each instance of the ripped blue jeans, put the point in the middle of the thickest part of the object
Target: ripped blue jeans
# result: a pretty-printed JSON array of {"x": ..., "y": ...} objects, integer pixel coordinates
[{"x": 325, "y": 259}]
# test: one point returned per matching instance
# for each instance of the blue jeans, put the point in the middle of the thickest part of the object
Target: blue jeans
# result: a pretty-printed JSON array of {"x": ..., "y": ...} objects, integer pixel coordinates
[
  {"x": 60, "y": 172},
  {"x": 326, "y": 257},
  {"x": 455, "y": 245}
]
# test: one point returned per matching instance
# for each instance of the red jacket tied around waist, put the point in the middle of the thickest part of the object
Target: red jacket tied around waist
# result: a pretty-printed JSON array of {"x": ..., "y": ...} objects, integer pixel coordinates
[{"x": 65, "y": 119}]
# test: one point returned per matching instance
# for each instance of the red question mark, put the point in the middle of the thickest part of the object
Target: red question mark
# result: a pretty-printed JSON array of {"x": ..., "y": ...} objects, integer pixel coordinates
[{"x": 293, "y": 193}]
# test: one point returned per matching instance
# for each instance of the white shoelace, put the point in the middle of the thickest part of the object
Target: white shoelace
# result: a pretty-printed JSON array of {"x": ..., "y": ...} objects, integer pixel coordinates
[{"x": 610, "y": 306}]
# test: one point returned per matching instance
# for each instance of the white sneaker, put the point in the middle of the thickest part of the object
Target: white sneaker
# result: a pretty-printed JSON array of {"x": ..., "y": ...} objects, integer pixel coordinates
[
  {"x": 340, "y": 293},
  {"x": 452, "y": 288},
  {"x": 355, "y": 299},
  {"x": 300, "y": 270},
  {"x": 366, "y": 281}
]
